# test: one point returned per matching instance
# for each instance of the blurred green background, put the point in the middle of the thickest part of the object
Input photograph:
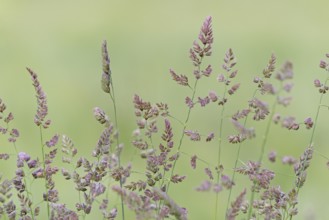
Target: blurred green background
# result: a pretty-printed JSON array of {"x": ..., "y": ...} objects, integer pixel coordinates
[{"x": 61, "y": 41}]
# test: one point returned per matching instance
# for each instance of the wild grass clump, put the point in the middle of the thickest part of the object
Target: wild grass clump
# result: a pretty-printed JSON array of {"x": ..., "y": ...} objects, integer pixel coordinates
[{"x": 161, "y": 139}]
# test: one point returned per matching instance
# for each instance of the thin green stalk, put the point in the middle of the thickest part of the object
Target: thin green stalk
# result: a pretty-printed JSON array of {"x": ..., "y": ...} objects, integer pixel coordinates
[
  {"x": 44, "y": 169},
  {"x": 118, "y": 144},
  {"x": 321, "y": 154},
  {"x": 234, "y": 169},
  {"x": 219, "y": 151},
  {"x": 316, "y": 118},
  {"x": 220, "y": 134},
  {"x": 237, "y": 160},
  {"x": 182, "y": 136},
  {"x": 199, "y": 159},
  {"x": 180, "y": 122},
  {"x": 265, "y": 138},
  {"x": 314, "y": 127}
]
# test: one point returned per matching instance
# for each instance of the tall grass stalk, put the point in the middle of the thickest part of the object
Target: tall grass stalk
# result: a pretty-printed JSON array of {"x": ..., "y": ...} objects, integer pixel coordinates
[
  {"x": 118, "y": 144},
  {"x": 184, "y": 128},
  {"x": 313, "y": 131},
  {"x": 234, "y": 168},
  {"x": 219, "y": 154},
  {"x": 107, "y": 86},
  {"x": 44, "y": 169},
  {"x": 260, "y": 159},
  {"x": 197, "y": 54}
]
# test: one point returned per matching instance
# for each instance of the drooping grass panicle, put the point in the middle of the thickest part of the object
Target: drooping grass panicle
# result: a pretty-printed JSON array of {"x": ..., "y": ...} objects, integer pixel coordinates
[
  {"x": 260, "y": 109},
  {"x": 267, "y": 72},
  {"x": 243, "y": 131},
  {"x": 106, "y": 75},
  {"x": 180, "y": 79},
  {"x": 60, "y": 211},
  {"x": 68, "y": 149},
  {"x": 88, "y": 175},
  {"x": 204, "y": 49},
  {"x": 302, "y": 165},
  {"x": 175, "y": 210},
  {"x": 101, "y": 116},
  {"x": 42, "y": 110},
  {"x": 45, "y": 170},
  {"x": 304, "y": 161},
  {"x": 197, "y": 53},
  {"x": 108, "y": 87},
  {"x": 300, "y": 168},
  {"x": 225, "y": 79},
  {"x": 5, "y": 129},
  {"x": 19, "y": 181},
  {"x": 236, "y": 206},
  {"x": 144, "y": 207},
  {"x": 206, "y": 36}
]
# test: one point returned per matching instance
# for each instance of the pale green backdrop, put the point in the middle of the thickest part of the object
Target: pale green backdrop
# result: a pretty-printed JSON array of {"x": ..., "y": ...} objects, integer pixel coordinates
[{"x": 61, "y": 40}]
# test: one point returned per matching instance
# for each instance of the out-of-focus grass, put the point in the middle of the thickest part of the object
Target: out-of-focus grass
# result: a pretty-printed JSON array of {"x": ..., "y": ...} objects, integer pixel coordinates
[{"x": 61, "y": 41}]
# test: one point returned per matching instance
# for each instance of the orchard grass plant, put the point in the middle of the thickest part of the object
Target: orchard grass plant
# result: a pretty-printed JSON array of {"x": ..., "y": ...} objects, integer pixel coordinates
[{"x": 105, "y": 184}]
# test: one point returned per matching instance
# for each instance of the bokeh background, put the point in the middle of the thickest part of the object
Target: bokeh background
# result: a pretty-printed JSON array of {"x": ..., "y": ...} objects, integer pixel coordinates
[{"x": 61, "y": 41}]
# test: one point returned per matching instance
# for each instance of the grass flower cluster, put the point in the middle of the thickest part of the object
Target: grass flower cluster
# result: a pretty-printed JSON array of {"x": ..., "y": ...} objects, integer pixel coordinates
[{"x": 161, "y": 139}]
